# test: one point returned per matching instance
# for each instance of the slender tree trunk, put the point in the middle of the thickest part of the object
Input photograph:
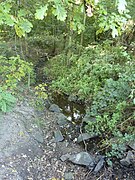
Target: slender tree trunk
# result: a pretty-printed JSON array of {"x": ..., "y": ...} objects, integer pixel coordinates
[
  {"x": 82, "y": 34},
  {"x": 70, "y": 36}
]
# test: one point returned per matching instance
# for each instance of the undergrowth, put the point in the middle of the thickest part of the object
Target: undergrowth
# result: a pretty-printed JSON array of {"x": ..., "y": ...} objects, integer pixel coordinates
[
  {"x": 15, "y": 70},
  {"x": 103, "y": 76}
]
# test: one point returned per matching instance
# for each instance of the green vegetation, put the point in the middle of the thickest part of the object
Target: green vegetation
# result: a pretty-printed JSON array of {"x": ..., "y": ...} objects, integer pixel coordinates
[
  {"x": 41, "y": 96},
  {"x": 13, "y": 71},
  {"x": 85, "y": 48},
  {"x": 103, "y": 76},
  {"x": 7, "y": 101}
]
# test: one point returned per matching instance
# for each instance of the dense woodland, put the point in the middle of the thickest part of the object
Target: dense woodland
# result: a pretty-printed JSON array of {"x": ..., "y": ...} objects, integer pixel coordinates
[{"x": 79, "y": 48}]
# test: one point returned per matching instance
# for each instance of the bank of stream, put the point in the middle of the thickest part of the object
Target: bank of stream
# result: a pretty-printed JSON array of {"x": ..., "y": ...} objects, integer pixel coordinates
[{"x": 75, "y": 112}]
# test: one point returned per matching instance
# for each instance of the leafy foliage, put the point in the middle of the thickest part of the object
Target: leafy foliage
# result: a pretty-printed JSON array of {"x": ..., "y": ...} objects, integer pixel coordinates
[
  {"x": 13, "y": 71},
  {"x": 40, "y": 13},
  {"x": 114, "y": 21},
  {"x": 41, "y": 96},
  {"x": 7, "y": 101},
  {"x": 88, "y": 73},
  {"x": 104, "y": 77},
  {"x": 40, "y": 91}
]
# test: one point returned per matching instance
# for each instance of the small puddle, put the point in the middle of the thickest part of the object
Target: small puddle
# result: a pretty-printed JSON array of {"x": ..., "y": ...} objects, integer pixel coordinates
[{"x": 73, "y": 110}]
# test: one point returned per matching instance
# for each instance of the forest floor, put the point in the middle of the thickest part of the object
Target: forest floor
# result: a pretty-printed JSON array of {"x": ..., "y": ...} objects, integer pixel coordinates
[{"x": 28, "y": 150}]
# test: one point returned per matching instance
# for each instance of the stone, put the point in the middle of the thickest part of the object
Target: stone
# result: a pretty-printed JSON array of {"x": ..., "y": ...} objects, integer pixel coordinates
[
  {"x": 99, "y": 165},
  {"x": 64, "y": 157},
  {"x": 38, "y": 136},
  {"x": 130, "y": 155},
  {"x": 83, "y": 136},
  {"x": 69, "y": 176},
  {"x": 128, "y": 160},
  {"x": 125, "y": 162},
  {"x": 19, "y": 137},
  {"x": 62, "y": 119},
  {"x": 132, "y": 145},
  {"x": 58, "y": 136},
  {"x": 54, "y": 108},
  {"x": 82, "y": 158}
]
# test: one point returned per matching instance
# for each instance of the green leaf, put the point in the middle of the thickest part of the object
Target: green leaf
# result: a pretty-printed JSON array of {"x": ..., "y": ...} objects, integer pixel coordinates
[
  {"x": 99, "y": 31},
  {"x": 9, "y": 20},
  {"x": 19, "y": 31},
  {"x": 4, "y": 106},
  {"x": 41, "y": 12},
  {"x": 22, "y": 27},
  {"x": 1, "y": 18},
  {"x": 60, "y": 12},
  {"x": 22, "y": 13},
  {"x": 7, "y": 7},
  {"x": 26, "y": 25},
  {"x": 122, "y": 6}
]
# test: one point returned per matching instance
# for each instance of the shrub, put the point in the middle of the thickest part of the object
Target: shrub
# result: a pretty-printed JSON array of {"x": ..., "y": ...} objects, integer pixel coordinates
[
  {"x": 41, "y": 96},
  {"x": 86, "y": 74},
  {"x": 13, "y": 71}
]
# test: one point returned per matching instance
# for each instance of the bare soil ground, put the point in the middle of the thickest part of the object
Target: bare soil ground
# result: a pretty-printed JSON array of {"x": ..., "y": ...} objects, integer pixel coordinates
[{"x": 28, "y": 150}]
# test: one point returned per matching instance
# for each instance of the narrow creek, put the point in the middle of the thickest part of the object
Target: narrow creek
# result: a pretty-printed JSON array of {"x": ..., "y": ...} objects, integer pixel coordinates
[{"x": 73, "y": 110}]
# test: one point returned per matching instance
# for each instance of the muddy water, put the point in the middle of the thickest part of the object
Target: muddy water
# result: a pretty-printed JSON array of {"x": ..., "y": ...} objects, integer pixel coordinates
[
  {"x": 74, "y": 113},
  {"x": 73, "y": 110}
]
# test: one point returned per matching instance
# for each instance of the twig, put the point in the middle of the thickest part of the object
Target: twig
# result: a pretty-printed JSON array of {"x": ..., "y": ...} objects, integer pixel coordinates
[
  {"x": 88, "y": 174},
  {"x": 100, "y": 176}
]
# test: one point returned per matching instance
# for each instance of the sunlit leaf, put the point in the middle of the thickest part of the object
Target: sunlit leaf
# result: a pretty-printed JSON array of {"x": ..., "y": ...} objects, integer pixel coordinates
[
  {"x": 9, "y": 20},
  {"x": 22, "y": 13},
  {"x": 89, "y": 11},
  {"x": 99, "y": 31},
  {"x": 122, "y": 6},
  {"x": 26, "y": 25},
  {"x": 19, "y": 31},
  {"x": 114, "y": 32},
  {"x": 78, "y": 2},
  {"x": 41, "y": 12},
  {"x": 60, "y": 12},
  {"x": 7, "y": 7}
]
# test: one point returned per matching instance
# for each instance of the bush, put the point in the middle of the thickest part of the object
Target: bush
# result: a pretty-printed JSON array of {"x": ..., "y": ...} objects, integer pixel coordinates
[
  {"x": 86, "y": 74},
  {"x": 13, "y": 71}
]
